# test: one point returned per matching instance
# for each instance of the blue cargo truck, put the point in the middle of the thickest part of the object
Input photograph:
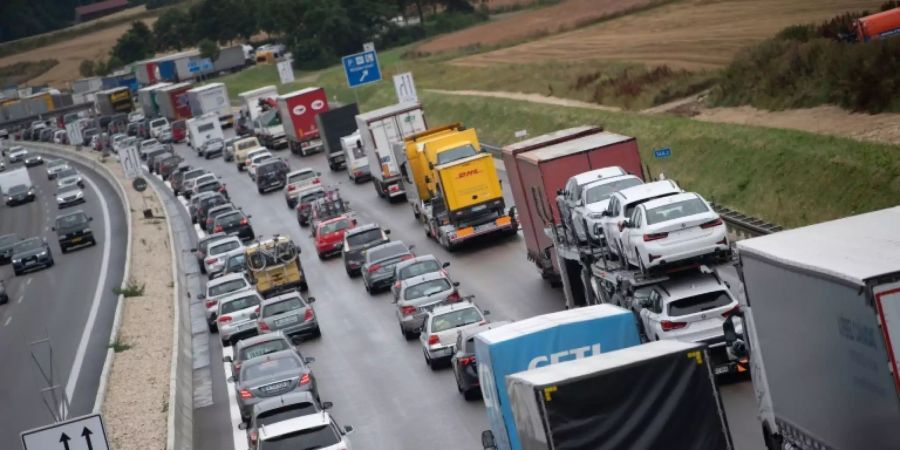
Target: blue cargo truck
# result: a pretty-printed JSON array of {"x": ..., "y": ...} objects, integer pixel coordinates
[{"x": 541, "y": 341}]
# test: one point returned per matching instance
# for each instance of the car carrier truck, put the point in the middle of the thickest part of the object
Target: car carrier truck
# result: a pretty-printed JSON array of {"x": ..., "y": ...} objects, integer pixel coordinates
[
  {"x": 378, "y": 131},
  {"x": 452, "y": 186},
  {"x": 821, "y": 323}
]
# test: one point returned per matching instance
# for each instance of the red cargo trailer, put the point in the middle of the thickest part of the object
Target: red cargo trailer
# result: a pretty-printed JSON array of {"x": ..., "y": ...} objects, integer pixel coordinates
[
  {"x": 298, "y": 112},
  {"x": 541, "y": 166},
  {"x": 879, "y": 26}
]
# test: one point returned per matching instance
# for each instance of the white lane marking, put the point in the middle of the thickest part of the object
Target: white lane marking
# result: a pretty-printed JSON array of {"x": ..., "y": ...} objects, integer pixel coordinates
[
  {"x": 239, "y": 436},
  {"x": 28, "y": 282},
  {"x": 9, "y": 319},
  {"x": 20, "y": 299},
  {"x": 98, "y": 293}
]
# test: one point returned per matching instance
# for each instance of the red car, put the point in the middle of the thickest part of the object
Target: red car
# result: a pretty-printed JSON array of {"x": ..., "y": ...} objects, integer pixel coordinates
[{"x": 330, "y": 235}]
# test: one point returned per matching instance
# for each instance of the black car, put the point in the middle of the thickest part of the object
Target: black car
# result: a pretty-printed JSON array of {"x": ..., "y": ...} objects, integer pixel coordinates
[
  {"x": 74, "y": 230},
  {"x": 206, "y": 203},
  {"x": 167, "y": 165},
  {"x": 271, "y": 175},
  {"x": 357, "y": 241},
  {"x": 209, "y": 224},
  {"x": 465, "y": 369},
  {"x": 7, "y": 241},
  {"x": 19, "y": 194},
  {"x": 235, "y": 222},
  {"x": 33, "y": 160},
  {"x": 31, "y": 253},
  {"x": 4, "y": 297}
]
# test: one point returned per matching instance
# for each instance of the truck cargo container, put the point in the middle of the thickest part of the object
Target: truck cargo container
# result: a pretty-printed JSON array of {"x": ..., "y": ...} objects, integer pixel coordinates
[
  {"x": 540, "y": 167},
  {"x": 230, "y": 59},
  {"x": 298, "y": 111},
  {"x": 147, "y": 99},
  {"x": 39, "y": 103},
  {"x": 112, "y": 101},
  {"x": 333, "y": 125},
  {"x": 883, "y": 25},
  {"x": 379, "y": 130},
  {"x": 87, "y": 85},
  {"x": 14, "y": 177},
  {"x": 212, "y": 98},
  {"x": 173, "y": 101},
  {"x": 615, "y": 400},
  {"x": 541, "y": 341},
  {"x": 821, "y": 320}
]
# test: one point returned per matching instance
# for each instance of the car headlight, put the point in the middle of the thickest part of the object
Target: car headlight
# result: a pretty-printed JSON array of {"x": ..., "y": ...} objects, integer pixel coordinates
[
  {"x": 42, "y": 254},
  {"x": 59, "y": 200},
  {"x": 595, "y": 216}
]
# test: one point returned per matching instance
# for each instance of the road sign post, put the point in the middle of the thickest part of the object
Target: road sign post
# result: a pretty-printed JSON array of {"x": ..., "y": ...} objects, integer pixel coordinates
[
  {"x": 131, "y": 162},
  {"x": 361, "y": 69},
  {"x": 82, "y": 433},
  {"x": 285, "y": 71},
  {"x": 406, "y": 88},
  {"x": 662, "y": 153}
]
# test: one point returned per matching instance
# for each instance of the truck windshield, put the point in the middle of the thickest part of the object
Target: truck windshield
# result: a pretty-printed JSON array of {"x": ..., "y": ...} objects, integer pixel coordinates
[
  {"x": 699, "y": 303},
  {"x": 454, "y": 154},
  {"x": 600, "y": 192},
  {"x": 676, "y": 210}
]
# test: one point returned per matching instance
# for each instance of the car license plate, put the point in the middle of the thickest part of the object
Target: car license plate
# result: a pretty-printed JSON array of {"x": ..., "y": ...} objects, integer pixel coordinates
[
  {"x": 720, "y": 370},
  {"x": 286, "y": 321},
  {"x": 275, "y": 387},
  {"x": 76, "y": 240},
  {"x": 246, "y": 325}
]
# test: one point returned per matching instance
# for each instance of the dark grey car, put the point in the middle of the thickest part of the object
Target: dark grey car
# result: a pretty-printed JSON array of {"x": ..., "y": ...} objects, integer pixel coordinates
[
  {"x": 357, "y": 241},
  {"x": 74, "y": 230},
  {"x": 254, "y": 347},
  {"x": 290, "y": 314},
  {"x": 378, "y": 270},
  {"x": 7, "y": 241},
  {"x": 32, "y": 253},
  {"x": 273, "y": 375},
  {"x": 19, "y": 195}
]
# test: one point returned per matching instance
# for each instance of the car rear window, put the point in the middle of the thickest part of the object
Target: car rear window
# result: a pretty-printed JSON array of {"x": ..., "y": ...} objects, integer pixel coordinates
[
  {"x": 455, "y": 319},
  {"x": 263, "y": 348},
  {"x": 224, "y": 247},
  {"x": 676, "y": 210},
  {"x": 208, "y": 186},
  {"x": 388, "y": 251},
  {"x": 227, "y": 287},
  {"x": 311, "y": 196},
  {"x": 247, "y": 144},
  {"x": 282, "y": 307},
  {"x": 419, "y": 268},
  {"x": 332, "y": 227},
  {"x": 364, "y": 237},
  {"x": 600, "y": 192},
  {"x": 310, "y": 438},
  {"x": 271, "y": 366},
  {"x": 286, "y": 412},
  {"x": 301, "y": 176},
  {"x": 271, "y": 168},
  {"x": 229, "y": 219},
  {"x": 427, "y": 288},
  {"x": 250, "y": 301},
  {"x": 699, "y": 303}
]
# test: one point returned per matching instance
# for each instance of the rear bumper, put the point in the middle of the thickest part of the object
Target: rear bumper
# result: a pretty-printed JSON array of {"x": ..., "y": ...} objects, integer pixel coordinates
[
  {"x": 439, "y": 352},
  {"x": 237, "y": 331},
  {"x": 501, "y": 224},
  {"x": 301, "y": 329}
]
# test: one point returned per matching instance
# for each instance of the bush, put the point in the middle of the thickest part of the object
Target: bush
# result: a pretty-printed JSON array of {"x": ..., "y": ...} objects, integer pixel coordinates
[{"x": 131, "y": 289}]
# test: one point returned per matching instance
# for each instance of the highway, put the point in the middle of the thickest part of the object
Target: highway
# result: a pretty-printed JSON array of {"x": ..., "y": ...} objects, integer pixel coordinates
[
  {"x": 378, "y": 381},
  {"x": 58, "y": 304}
]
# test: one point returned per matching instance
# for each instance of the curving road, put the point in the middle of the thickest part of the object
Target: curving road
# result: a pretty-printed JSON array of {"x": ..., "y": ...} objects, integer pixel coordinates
[
  {"x": 58, "y": 304},
  {"x": 377, "y": 380}
]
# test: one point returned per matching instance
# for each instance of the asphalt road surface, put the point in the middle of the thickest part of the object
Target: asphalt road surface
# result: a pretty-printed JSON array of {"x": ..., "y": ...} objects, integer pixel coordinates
[
  {"x": 57, "y": 304},
  {"x": 379, "y": 381}
]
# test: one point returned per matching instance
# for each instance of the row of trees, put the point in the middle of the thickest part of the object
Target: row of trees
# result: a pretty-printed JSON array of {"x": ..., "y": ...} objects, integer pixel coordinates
[{"x": 317, "y": 32}]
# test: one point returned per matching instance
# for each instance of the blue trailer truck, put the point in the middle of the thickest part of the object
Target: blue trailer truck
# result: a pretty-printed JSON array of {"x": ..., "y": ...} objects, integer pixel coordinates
[{"x": 541, "y": 341}]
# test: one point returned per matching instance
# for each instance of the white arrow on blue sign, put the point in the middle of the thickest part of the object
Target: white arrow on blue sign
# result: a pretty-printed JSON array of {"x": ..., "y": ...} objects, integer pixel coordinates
[
  {"x": 662, "y": 153},
  {"x": 361, "y": 69}
]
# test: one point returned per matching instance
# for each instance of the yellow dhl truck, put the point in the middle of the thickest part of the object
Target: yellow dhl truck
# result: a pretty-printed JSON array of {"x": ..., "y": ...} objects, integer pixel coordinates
[
  {"x": 452, "y": 185},
  {"x": 275, "y": 266}
]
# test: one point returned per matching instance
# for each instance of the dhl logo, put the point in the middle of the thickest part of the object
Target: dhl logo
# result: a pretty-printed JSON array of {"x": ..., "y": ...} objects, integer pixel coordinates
[{"x": 468, "y": 173}]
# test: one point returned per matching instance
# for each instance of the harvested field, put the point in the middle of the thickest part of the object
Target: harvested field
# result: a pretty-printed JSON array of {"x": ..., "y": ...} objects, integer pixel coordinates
[
  {"x": 531, "y": 24},
  {"x": 689, "y": 34}
]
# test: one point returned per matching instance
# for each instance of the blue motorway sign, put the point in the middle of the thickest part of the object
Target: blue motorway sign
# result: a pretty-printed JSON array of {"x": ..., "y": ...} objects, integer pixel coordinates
[
  {"x": 662, "y": 153},
  {"x": 361, "y": 68}
]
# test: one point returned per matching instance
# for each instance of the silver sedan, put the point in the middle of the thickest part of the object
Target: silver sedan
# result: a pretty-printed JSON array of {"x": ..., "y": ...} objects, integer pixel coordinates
[{"x": 418, "y": 295}]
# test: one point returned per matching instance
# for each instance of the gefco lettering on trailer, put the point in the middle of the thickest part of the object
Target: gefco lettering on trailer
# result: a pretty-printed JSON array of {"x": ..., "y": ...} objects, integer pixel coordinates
[
  {"x": 468, "y": 173},
  {"x": 565, "y": 355}
]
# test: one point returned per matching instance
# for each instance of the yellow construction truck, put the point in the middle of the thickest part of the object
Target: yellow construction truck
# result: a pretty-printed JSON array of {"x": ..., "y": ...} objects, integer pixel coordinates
[{"x": 452, "y": 185}]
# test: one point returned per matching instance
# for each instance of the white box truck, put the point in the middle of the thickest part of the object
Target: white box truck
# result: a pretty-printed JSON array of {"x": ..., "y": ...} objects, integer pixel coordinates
[
  {"x": 821, "y": 321},
  {"x": 379, "y": 130},
  {"x": 211, "y": 98},
  {"x": 203, "y": 128}
]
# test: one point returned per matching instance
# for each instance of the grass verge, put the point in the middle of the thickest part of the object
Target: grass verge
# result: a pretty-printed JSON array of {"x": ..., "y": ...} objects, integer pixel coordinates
[
  {"x": 19, "y": 73},
  {"x": 131, "y": 289}
]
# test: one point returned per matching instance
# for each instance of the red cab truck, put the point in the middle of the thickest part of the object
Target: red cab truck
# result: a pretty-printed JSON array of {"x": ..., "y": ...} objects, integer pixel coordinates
[
  {"x": 539, "y": 167},
  {"x": 882, "y": 25},
  {"x": 298, "y": 112}
]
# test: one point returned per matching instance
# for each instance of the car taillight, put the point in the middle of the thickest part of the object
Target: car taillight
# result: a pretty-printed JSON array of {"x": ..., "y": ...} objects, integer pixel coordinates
[
  {"x": 655, "y": 236},
  {"x": 407, "y": 257},
  {"x": 218, "y": 229},
  {"x": 211, "y": 261},
  {"x": 735, "y": 310},
  {"x": 397, "y": 285},
  {"x": 253, "y": 437},
  {"x": 222, "y": 189},
  {"x": 263, "y": 326},
  {"x": 305, "y": 379},
  {"x": 308, "y": 315},
  {"x": 434, "y": 339},
  {"x": 374, "y": 267},
  {"x": 291, "y": 187},
  {"x": 408, "y": 310},
  {"x": 244, "y": 221},
  {"x": 224, "y": 319},
  {"x": 211, "y": 303},
  {"x": 454, "y": 297},
  {"x": 246, "y": 394},
  {"x": 466, "y": 361},
  {"x": 712, "y": 223},
  {"x": 357, "y": 173},
  {"x": 316, "y": 181},
  {"x": 393, "y": 188},
  {"x": 668, "y": 325}
]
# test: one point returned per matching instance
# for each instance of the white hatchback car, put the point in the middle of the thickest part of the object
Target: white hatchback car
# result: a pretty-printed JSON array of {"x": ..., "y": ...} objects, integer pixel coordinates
[
  {"x": 673, "y": 229},
  {"x": 304, "y": 431},
  {"x": 441, "y": 326},
  {"x": 587, "y": 214},
  {"x": 622, "y": 204},
  {"x": 234, "y": 316},
  {"x": 218, "y": 288},
  {"x": 217, "y": 253},
  {"x": 573, "y": 194}
]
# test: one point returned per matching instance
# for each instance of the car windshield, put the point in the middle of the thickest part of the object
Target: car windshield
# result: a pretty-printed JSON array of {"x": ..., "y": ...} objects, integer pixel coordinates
[
  {"x": 71, "y": 220},
  {"x": 419, "y": 268},
  {"x": 68, "y": 173},
  {"x": 285, "y": 412},
  {"x": 388, "y": 251},
  {"x": 228, "y": 286},
  {"x": 282, "y": 307},
  {"x": 602, "y": 191},
  {"x": 273, "y": 365},
  {"x": 158, "y": 123},
  {"x": 676, "y": 210},
  {"x": 427, "y": 288},
  {"x": 455, "y": 319},
  {"x": 333, "y": 227},
  {"x": 453, "y": 154},
  {"x": 223, "y": 247},
  {"x": 308, "y": 439},
  {"x": 249, "y": 301},
  {"x": 297, "y": 177},
  {"x": 699, "y": 303},
  {"x": 18, "y": 189},
  {"x": 364, "y": 237},
  {"x": 27, "y": 245},
  {"x": 263, "y": 348}
]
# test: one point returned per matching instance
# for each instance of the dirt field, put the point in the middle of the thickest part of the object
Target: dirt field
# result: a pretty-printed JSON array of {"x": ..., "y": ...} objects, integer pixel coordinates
[
  {"x": 566, "y": 15},
  {"x": 70, "y": 54},
  {"x": 690, "y": 34}
]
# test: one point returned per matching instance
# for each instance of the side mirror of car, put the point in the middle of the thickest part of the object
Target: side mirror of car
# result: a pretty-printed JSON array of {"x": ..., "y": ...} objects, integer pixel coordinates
[
  {"x": 249, "y": 216},
  {"x": 52, "y": 228},
  {"x": 242, "y": 426},
  {"x": 201, "y": 296},
  {"x": 623, "y": 224},
  {"x": 456, "y": 284},
  {"x": 411, "y": 247},
  {"x": 90, "y": 219},
  {"x": 227, "y": 359},
  {"x": 254, "y": 316},
  {"x": 486, "y": 312},
  {"x": 309, "y": 360},
  {"x": 348, "y": 429},
  {"x": 446, "y": 265},
  {"x": 310, "y": 300},
  {"x": 387, "y": 232},
  {"x": 194, "y": 250},
  {"x": 487, "y": 440}
]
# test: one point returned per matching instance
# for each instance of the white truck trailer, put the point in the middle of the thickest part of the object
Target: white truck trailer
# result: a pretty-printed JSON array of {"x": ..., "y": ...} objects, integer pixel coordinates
[
  {"x": 379, "y": 130},
  {"x": 212, "y": 98},
  {"x": 821, "y": 322}
]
